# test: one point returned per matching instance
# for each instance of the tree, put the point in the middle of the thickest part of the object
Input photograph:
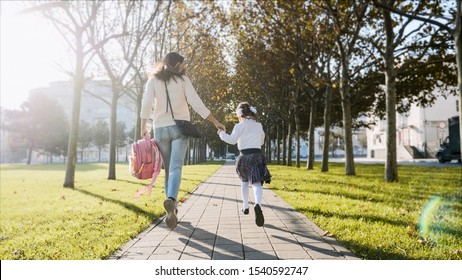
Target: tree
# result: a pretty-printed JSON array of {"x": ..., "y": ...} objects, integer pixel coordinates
[
  {"x": 404, "y": 47},
  {"x": 19, "y": 124},
  {"x": 349, "y": 20},
  {"x": 195, "y": 30},
  {"x": 272, "y": 47},
  {"x": 85, "y": 137},
  {"x": 448, "y": 18},
  {"x": 121, "y": 56},
  {"x": 41, "y": 123},
  {"x": 74, "y": 21},
  {"x": 121, "y": 136},
  {"x": 101, "y": 136}
]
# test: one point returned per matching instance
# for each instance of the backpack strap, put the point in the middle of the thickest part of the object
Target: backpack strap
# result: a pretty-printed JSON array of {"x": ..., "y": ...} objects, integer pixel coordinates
[{"x": 157, "y": 168}]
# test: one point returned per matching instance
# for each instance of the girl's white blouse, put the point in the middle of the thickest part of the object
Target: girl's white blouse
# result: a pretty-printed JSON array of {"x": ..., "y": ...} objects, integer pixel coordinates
[{"x": 248, "y": 134}]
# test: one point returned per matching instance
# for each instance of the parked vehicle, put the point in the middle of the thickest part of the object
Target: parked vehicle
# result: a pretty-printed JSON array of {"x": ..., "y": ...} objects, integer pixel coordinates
[
  {"x": 230, "y": 156},
  {"x": 450, "y": 148}
]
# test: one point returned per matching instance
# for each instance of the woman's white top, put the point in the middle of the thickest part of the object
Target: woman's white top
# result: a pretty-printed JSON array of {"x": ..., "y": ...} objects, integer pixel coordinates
[
  {"x": 181, "y": 93},
  {"x": 248, "y": 134}
]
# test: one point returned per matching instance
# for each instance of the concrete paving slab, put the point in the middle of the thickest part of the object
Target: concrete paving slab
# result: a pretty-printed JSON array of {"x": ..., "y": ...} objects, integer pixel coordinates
[{"x": 212, "y": 227}]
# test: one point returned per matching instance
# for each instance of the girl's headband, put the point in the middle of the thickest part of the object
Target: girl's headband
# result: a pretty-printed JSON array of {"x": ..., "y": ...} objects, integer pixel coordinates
[{"x": 240, "y": 113}]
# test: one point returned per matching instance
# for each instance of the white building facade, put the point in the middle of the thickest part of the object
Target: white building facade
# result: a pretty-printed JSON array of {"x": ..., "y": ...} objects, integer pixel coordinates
[{"x": 419, "y": 132}]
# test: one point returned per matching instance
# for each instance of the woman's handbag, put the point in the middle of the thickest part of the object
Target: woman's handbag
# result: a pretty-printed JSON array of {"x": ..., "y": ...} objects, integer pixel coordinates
[{"x": 186, "y": 127}]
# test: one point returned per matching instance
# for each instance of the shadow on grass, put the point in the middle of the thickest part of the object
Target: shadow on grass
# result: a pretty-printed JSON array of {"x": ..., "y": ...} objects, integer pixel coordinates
[
  {"x": 369, "y": 218},
  {"x": 132, "y": 182},
  {"x": 358, "y": 249},
  {"x": 394, "y": 196},
  {"x": 128, "y": 206},
  {"x": 369, "y": 253}
]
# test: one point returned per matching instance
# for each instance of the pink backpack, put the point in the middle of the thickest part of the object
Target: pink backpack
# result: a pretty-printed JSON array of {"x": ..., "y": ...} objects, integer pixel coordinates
[{"x": 145, "y": 162}]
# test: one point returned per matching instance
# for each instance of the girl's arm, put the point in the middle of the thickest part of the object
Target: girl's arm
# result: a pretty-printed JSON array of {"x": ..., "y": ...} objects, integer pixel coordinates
[
  {"x": 230, "y": 139},
  {"x": 262, "y": 135}
]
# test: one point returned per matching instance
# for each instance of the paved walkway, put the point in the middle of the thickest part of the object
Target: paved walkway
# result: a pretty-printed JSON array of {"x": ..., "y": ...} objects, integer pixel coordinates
[{"x": 212, "y": 227}]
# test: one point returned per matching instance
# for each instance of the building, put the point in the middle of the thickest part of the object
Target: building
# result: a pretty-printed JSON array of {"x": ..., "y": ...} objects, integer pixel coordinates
[
  {"x": 92, "y": 109},
  {"x": 419, "y": 132}
]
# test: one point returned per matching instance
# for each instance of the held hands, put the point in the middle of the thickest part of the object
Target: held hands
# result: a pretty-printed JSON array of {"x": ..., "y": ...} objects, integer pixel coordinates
[
  {"x": 220, "y": 126},
  {"x": 220, "y": 130}
]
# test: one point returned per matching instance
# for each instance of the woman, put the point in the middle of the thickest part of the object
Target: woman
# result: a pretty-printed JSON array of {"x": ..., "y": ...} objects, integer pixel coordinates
[{"x": 169, "y": 75}]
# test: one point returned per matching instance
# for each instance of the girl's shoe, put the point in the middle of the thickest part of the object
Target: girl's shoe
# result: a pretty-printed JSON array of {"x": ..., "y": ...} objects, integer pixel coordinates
[
  {"x": 259, "y": 219},
  {"x": 171, "y": 218},
  {"x": 245, "y": 211}
]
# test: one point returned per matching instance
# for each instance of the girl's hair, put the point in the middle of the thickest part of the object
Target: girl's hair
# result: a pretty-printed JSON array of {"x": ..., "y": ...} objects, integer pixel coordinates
[
  {"x": 246, "y": 111},
  {"x": 170, "y": 67}
]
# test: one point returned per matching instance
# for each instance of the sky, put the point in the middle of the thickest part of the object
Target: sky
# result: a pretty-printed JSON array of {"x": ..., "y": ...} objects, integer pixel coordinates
[{"x": 30, "y": 48}]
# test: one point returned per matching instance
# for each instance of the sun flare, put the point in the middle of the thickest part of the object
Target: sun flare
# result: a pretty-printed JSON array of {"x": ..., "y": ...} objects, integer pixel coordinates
[{"x": 30, "y": 49}]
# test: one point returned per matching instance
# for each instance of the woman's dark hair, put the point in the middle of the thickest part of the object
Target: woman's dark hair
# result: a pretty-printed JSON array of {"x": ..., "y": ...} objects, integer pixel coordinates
[
  {"x": 246, "y": 111},
  {"x": 170, "y": 67}
]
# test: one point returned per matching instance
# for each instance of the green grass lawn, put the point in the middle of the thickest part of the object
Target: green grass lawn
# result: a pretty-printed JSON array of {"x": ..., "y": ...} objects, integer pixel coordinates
[
  {"x": 42, "y": 220},
  {"x": 419, "y": 217}
]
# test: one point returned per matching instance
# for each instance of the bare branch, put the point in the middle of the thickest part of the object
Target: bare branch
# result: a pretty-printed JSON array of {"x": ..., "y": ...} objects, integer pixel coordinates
[{"x": 415, "y": 17}]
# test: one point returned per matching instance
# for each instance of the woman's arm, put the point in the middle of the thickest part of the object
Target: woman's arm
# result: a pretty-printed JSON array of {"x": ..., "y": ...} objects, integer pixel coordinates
[
  {"x": 146, "y": 105},
  {"x": 143, "y": 127},
  {"x": 217, "y": 124}
]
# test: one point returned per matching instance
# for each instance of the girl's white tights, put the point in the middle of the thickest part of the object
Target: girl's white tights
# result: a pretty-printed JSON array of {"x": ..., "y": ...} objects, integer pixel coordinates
[{"x": 257, "y": 192}]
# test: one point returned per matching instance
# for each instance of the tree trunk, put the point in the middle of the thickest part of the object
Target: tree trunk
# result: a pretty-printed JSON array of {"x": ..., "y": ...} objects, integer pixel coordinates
[
  {"x": 113, "y": 134},
  {"x": 278, "y": 146},
  {"x": 297, "y": 135},
  {"x": 188, "y": 154},
  {"x": 310, "y": 161},
  {"x": 347, "y": 119},
  {"x": 458, "y": 46},
  {"x": 391, "y": 165},
  {"x": 194, "y": 156},
  {"x": 29, "y": 155},
  {"x": 269, "y": 151},
  {"x": 325, "y": 148},
  {"x": 74, "y": 129},
  {"x": 348, "y": 137},
  {"x": 289, "y": 143},
  {"x": 284, "y": 144},
  {"x": 137, "y": 135}
]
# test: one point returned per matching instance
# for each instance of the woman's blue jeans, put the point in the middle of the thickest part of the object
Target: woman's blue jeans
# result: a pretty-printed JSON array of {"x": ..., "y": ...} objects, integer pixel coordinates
[{"x": 172, "y": 145}]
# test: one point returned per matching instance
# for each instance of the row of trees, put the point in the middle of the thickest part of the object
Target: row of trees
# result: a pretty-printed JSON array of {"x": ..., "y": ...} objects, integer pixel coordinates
[
  {"x": 301, "y": 59},
  {"x": 119, "y": 40},
  {"x": 304, "y": 64},
  {"x": 97, "y": 135},
  {"x": 42, "y": 126}
]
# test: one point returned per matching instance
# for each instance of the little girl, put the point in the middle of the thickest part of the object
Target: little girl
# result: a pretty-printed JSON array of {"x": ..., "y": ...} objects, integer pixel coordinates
[{"x": 250, "y": 164}]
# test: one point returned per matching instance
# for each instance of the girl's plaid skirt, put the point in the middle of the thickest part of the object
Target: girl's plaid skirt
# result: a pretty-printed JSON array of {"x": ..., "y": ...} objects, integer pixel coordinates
[{"x": 252, "y": 168}]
